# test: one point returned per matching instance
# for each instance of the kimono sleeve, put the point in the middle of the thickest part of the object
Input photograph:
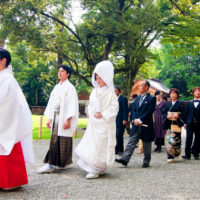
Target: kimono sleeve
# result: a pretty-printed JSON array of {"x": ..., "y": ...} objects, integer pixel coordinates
[
  {"x": 71, "y": 104},
  {"x": 49, "y": 109},
  {"x": 5, "y": 88},
  {"x": 111, "y": 112},
  {"x": 89, "y": 105},
  {"x": 8, "y": 95}
]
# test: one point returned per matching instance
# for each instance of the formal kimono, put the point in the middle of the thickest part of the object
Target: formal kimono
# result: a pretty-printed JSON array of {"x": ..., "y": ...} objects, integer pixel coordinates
[
  {"x": 62, "y": 105},
  {"x": 15, "y": 133},
  {"x": 173, "y": 138},
  {"x": 97, "y": 147},
  {"x": 159, "y": 131}
]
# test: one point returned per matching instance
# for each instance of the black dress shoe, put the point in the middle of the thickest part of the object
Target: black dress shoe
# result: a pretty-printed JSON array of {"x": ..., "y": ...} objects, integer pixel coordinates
[
  {"x": 186, "y": 157},
  {"x": 120, "y": 153},
  {"x": 145, "y": 165},
  {"x": 121, "y": 162},
  {"x": 196, "y": 157}
]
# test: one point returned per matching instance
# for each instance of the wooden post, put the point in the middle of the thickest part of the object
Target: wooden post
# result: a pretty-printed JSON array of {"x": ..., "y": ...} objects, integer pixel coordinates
[{"x": 40, "y": 128}]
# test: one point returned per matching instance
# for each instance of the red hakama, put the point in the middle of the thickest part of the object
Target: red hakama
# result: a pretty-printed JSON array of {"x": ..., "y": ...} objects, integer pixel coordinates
[{"x": 13, "y": 169}]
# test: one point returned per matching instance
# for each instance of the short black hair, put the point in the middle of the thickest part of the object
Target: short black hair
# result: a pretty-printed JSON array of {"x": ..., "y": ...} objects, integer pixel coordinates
[
  {"x": 5, "y": 54},
  {"x": 117, "y": 87},
  {"x": 67, "y": 69},
  {"x": 147, "y": 84},
  {"x": 157, "y": 92},
  {"x": 134, "y": 96}
]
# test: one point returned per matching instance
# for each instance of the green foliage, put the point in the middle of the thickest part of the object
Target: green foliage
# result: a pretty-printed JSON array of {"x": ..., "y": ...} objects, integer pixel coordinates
[
  {"x": 186, "y": 29},
  {"x": 118, "y": 28},
  {"x": 35, "y": 76},
  {"x": 179, "y": 71},
  {"x": 46, "y": 134}
]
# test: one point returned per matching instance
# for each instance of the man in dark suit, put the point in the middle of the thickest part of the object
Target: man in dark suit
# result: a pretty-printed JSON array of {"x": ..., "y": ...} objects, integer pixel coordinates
[
  {"x": 130, "y": 106},
  {"x": 193, "y": 126},
  {"x": 142, "y": 127},
  {"x": 121, "y": 121}
]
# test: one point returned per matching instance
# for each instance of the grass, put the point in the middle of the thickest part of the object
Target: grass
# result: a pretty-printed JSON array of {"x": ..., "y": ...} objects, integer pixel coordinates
[{"x": 82, "y": 123}]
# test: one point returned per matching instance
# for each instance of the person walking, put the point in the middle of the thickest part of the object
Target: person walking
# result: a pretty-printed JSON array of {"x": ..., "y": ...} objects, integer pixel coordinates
[
  {"x": 173, "y": 119},
  {"x": 62, "y": 112},
  {"x": 142, "y": 126},
  {"x": 15, "y": 128},
  {"x": 121, "y": 121},
  {"x": 96, "y": 150},
  {"x": 192, "y": 126},
  {"x": 159, "y": 132}
]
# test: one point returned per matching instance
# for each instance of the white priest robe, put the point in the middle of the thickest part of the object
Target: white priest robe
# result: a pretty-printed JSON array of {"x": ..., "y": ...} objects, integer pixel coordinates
[
  {"x": 15, "y": 117},
  {"x": 64, "y": 95},
  {"x": 97, "y": 147}
]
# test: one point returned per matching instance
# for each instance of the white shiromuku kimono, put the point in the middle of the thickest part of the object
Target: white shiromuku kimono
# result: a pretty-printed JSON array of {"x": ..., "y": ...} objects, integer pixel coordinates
[
  {"x": 15, "y": 117},
  {"x": 64, "y": 96},
  {"x": 97, "y": 147}
]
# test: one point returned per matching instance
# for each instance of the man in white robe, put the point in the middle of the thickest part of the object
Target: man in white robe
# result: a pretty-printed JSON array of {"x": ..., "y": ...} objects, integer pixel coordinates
[
  {"x": 62, "y": 112},
  {"x": 97, "y": 147}
]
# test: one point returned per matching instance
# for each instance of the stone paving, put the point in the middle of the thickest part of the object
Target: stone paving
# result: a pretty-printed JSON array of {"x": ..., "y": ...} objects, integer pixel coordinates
[{"x": 162, "y": 180}]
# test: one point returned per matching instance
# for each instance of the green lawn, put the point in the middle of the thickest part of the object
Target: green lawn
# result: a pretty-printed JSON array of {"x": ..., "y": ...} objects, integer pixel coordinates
[{"x": 82, "y": 123}]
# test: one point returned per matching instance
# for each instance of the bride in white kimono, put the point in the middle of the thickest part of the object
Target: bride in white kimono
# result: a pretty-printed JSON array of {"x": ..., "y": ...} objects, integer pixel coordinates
[{"x": 97, "y": 147}]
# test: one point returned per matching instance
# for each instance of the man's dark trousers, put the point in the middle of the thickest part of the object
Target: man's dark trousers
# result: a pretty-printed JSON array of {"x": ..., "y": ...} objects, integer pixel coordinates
[{"x": 130, "y": 147}]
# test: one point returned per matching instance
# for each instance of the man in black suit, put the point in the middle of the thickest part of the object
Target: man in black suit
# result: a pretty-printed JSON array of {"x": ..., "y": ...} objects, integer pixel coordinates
[
  {"x": 130, "y": 106},
  {"x": 142, "y": 127},
  {"x": 193, "y": 126},
  {"x": 121, "y": 121}
]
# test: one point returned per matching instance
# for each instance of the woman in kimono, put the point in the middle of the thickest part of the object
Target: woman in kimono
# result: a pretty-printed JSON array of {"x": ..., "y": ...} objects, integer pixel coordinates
[
  {"x": 159, "y": 132},
  {"x": 97, "y": 147},
  {"x": 15, "y": 128},
  {"x": 173, "y": 119},
  {"x": 62, "y": 111}
]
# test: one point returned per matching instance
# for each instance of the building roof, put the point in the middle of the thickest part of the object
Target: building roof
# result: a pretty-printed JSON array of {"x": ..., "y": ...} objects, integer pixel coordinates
[
  {"x": 158, "y": 85},
  {"x": 154, "y": 86}
]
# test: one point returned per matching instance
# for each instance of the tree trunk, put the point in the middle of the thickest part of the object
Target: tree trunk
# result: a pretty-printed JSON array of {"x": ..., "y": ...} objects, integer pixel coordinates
[
  {"x": 36, "y": 97},
  {"x": 108, "y": 48},
  {"x": 133, "y": 70},
  {"x": 2, "y": 43},
  {"x": 130, "y": 83},
  {"x": 59, "y": 60}
]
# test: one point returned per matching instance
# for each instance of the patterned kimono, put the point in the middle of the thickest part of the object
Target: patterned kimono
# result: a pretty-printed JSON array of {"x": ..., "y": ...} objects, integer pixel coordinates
[{"x": 173, "y": 138}]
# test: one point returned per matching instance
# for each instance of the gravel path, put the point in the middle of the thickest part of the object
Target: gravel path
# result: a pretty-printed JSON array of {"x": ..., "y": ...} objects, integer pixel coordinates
[{"x": 161, "y": 181}]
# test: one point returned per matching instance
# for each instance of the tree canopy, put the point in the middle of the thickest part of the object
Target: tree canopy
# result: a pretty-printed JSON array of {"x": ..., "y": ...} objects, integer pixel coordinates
[{"x": 119, "y": 30}]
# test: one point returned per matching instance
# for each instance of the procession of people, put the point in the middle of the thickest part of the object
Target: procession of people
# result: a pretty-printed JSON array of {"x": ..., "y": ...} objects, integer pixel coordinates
[{"x": 152, "y": 119}]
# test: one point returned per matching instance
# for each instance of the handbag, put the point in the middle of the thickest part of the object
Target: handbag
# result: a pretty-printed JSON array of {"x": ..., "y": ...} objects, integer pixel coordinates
[{"x": 175, "y": 128}]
